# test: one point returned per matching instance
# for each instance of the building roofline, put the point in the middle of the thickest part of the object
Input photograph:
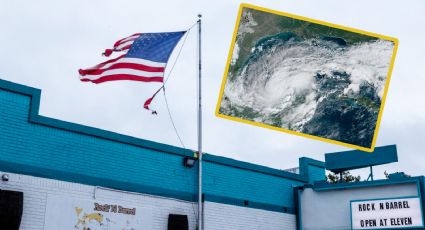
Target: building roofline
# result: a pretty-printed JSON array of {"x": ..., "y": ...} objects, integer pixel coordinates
[
  {"x": 322, "y": 186},
  {"x": 35, "y": 117}
]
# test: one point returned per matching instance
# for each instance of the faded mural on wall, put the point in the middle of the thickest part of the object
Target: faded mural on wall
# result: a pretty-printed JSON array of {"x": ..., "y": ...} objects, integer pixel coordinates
[{"x": 81, "y": 214}]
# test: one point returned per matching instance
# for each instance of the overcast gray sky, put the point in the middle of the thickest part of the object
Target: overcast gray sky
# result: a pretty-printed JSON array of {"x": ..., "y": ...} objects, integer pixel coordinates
[{"x": 45, "y": 42}]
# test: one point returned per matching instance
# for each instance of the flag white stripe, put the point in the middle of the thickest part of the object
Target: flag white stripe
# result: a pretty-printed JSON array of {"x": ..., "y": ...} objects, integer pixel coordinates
[
  {"x": 129, "y": 38},
  {"x": 135, "y": 61},
  {"x": 122, "y": 45},
  {"x": 124, "y": 71}
]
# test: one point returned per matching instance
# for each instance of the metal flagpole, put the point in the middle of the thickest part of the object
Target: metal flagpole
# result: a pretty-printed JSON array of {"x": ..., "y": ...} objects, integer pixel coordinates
[{"x": 200, "y": 211}]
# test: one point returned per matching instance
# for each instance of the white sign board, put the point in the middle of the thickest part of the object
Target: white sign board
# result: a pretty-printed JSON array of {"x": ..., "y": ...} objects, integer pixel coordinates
[
  {"x": 386, "y": 213},
  {"x": 65, "y": 213}
]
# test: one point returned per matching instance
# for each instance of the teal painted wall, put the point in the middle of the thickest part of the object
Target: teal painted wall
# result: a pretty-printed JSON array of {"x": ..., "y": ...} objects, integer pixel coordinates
[
  {"x": 248, "y": 185},
  {"x": 42, "y": 149},
  {"x": 316, "y": 174},
  {"x": 40, "y": 146},
  {"x": 312, "y": 170}
]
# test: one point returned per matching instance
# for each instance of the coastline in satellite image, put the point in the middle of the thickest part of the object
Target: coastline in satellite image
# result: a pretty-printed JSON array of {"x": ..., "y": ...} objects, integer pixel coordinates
[{"x": 306, "y": 77}]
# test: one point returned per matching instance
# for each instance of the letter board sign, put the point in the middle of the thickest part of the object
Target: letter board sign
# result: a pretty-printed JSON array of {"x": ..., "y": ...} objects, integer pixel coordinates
[{"x": 392, "y": 213}]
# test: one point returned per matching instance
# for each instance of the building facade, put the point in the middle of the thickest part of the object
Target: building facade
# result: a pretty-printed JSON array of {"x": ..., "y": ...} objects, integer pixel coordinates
[{"x": 78, "y": 177}]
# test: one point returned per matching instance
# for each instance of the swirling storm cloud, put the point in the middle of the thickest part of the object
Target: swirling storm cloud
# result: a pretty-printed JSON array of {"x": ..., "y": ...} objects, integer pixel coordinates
[{"x": 317, "y": 84}]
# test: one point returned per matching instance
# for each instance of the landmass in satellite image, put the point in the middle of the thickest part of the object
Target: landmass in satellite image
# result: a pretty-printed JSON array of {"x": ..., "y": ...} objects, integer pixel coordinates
[{"x": 306, "y": 77}]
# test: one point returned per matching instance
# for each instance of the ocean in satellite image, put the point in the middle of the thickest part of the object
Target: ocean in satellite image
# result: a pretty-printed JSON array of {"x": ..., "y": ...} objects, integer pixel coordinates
[{"x": 306, "y": 77}]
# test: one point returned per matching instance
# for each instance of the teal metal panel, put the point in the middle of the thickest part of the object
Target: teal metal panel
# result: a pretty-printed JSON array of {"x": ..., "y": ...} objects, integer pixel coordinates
[{"x": 343, "y": 161}]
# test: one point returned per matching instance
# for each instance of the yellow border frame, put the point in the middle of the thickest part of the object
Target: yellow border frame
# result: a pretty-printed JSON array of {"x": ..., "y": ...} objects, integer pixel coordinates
[{"x": 387, "y": 84}]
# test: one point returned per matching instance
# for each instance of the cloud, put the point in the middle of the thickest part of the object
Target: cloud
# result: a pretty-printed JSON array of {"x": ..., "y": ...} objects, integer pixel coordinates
[{"x": 44, "y": 43}]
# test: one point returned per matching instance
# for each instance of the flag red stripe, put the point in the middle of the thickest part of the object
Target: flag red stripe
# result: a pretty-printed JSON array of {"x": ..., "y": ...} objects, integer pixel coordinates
[
  {"x": 148, "y": 102},
  {"x": 122, "y": 66},
  {"x": 120, "y": 41},
  {"x": 117, "y": 77}
]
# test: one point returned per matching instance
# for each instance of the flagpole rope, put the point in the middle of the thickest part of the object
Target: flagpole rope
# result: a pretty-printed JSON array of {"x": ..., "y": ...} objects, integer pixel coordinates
[
  {"x": 172, "y": 120},
  {"x": 163, "y": 87}
]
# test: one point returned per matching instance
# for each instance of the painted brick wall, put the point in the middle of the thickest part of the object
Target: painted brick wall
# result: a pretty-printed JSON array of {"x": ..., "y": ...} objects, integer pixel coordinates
[
  {"x": 37, "y": 189},
  {"x": 222, "y": 216},
  {"x": 35, "y": 145},
  {"x": 252, "y": 186},
  {"x": 217, "y": 216},
  {"x": 50, "y": 148}
]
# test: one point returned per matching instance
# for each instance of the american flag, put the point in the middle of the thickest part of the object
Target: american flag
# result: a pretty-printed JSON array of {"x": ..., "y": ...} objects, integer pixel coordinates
[{"x": 145, "y": 59}]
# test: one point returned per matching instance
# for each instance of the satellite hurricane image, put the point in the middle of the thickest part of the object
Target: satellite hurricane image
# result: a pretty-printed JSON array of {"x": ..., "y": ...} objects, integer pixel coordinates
[{"x": 306, "y": 77}]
